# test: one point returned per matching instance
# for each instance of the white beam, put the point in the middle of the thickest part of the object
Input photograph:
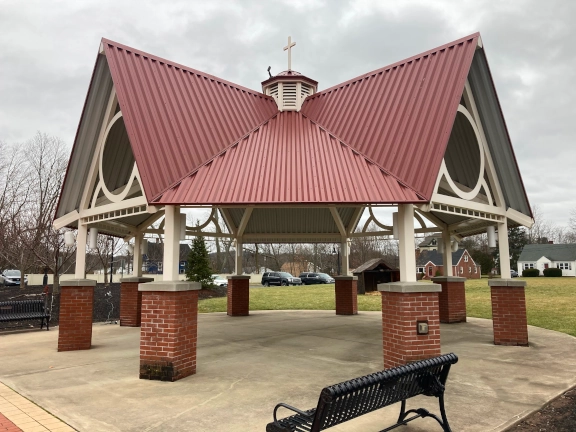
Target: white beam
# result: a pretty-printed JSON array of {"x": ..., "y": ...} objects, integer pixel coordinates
[
  {"x": 137, "y": 259},
  {"x": 406, "y": 243},
  {"x": 228, "y": 221},
  {"x": 67, "y": 219},
  {"x": 150, "y": 220},
  {"x": 171, "y": 243},
  {"x": 244, "y": 221},
  {"x": 354, "y": 220},
  {"x": 345, "y": 257},
  {"x": 447, "y": 252},
  {"x": 122, "y": 205},
  {"x": 81, "y": 237},
  {"x": 503, "y": 249},
  {"x": 468, "y": 205},
  {"x": 520, "y": 218},
  {"x": 338, "y": 221},
  {"x": 239, "y": 249}
]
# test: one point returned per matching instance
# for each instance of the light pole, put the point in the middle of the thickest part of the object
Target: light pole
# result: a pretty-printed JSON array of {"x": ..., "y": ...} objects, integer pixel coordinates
[
  {"x": 111, "y": 257},
  {"x": 337, "y": 251}
]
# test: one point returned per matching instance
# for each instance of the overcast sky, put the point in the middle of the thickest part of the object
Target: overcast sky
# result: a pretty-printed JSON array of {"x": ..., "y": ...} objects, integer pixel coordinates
[{"x": 48, "y": 50}]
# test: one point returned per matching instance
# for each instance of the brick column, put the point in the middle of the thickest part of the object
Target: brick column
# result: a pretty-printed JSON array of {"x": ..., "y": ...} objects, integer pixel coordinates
[
  {"x": 509, "y": 312},
  {"x": 169, "y": 330},
  {"x": 452, "y": 299},
  {"x": 131, "y": 301},
  {"x": 346, "y": 292},
  {"x": 404, "y": 304},
  {"x": 75, "y": 323},
  {"x": 238, "y": 295}
]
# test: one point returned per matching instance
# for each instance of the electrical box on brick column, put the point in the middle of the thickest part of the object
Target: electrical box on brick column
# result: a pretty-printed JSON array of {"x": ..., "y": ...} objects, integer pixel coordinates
[{"x": 422, "y": 327}]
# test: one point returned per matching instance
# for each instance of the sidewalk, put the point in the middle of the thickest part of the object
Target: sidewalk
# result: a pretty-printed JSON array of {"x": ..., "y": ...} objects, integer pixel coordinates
[
  {"x": 248, "y": 364},
  {"x": 19, "y": 414}
]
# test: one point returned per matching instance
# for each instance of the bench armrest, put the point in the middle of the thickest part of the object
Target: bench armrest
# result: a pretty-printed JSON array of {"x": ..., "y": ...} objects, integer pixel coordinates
[{"x": 296, "y": 410}]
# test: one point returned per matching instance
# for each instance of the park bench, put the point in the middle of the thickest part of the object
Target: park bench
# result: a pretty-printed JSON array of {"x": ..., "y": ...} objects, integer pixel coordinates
[
  {"x": 22, "y": 310},
  {"x": 350, "y": 399}
]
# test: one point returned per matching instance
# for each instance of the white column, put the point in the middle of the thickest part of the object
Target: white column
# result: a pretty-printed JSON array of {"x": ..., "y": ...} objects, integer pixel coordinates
[
  {"x": 81, "y": 237},
  {"x": 448, "y": 271},
  {"x": 345, "y": 252},
  {"x": 503, "y": 249},
  {"x": 171, "y": 243},
  {"x": 239, "y": 248},
  {"x": 406, "y": 243},
  {"x": 137, "y": 261}
]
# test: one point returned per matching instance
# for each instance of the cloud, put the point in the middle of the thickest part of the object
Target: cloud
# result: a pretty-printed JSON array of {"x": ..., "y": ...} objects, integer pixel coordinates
[{"x": 49, "y": 51}]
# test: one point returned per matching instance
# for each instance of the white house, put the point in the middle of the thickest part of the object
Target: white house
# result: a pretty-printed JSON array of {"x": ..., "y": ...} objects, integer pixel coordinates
[{"x": 543, "y": 256}]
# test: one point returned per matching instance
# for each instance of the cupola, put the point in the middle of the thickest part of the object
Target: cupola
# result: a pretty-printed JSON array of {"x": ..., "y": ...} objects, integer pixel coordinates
[{"x": 289, "y": 88}]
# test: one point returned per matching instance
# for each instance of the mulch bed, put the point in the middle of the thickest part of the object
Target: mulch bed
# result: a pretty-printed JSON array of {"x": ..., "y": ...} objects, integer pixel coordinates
[
  {"x": 557, "y": 416},
  {"x": 106, "y": 303}
]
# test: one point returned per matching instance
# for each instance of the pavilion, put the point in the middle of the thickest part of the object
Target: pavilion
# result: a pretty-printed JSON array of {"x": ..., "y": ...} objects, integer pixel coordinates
[{"x": 291, "y": 164}]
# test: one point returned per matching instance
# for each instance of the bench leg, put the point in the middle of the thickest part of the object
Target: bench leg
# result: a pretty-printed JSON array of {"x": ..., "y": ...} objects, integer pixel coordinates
[
  {"x": 421, "y": 412},
  {"x": 444, "y": 423}
]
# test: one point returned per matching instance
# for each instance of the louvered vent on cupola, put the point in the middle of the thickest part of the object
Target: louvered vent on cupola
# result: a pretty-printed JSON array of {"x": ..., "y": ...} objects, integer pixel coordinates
[
  {"x": 305, "y": 90},
  {"x": 274, "y": 91},
  {"x": 289, "y": 96}
]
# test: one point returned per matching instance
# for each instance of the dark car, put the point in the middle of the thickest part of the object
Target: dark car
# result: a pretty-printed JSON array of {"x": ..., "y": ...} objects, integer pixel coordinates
[
  {"x": 279, "y": 278},
  {"x": 316, "y": 278}
]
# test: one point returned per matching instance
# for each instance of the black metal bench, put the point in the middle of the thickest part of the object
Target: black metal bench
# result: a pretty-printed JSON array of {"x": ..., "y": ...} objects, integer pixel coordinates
[
  {"x": 350, "y": 399},
  {"x": 23, "y": 310}
]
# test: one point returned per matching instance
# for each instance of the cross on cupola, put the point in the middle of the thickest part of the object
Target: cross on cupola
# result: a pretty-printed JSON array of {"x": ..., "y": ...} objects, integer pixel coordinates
[
  {"x": 289, "y": 88},
  {"x": 289, "y": 49}
]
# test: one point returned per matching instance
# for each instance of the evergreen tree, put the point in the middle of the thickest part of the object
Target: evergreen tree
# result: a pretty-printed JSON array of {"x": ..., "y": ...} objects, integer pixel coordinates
[{"x": 198, "y": 268}]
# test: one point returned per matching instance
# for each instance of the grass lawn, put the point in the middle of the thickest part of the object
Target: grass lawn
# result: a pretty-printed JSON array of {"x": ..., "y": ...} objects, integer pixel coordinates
[{"x": 550, "y": 302}]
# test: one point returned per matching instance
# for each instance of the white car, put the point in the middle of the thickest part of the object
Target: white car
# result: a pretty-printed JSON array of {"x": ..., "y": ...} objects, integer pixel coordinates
[
  {"x": 12, "y": 277},
  {"x": 219, "y": 281}
]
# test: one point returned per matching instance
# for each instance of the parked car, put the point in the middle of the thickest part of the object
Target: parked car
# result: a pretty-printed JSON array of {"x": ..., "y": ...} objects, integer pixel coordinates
[
  {"x": 279, "y": 278},
  {"x": 12, "y": 277},
  {"x": 316, "y": 278},
  {"x": 513, "y": 273},
  {"x": 219, "y": 281}
]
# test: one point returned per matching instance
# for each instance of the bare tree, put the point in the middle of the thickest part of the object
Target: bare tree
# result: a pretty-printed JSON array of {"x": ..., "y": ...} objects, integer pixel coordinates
[{"x": 31, "y": 176}]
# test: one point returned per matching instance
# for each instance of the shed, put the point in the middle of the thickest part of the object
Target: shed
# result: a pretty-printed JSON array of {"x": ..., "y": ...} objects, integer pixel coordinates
[{"x": 374, "y": 272}]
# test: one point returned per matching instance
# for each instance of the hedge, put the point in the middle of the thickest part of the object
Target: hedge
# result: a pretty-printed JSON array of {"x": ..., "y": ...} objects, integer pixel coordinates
[
  {"x": 553, "y": 272},
  {"x": 531, "y": 272}
]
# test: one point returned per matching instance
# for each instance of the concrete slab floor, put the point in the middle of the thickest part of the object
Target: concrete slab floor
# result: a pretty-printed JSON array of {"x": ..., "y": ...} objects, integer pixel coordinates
[{"x": 248, "y": 364}]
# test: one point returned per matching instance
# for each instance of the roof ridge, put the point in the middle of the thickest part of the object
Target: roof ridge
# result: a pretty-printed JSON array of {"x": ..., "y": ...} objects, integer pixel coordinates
[
  {"x": 393, "y": 65},
  {"x": 210, "y": 160},
  {"x": 186, "y": 68},
  {"x": 387, "y": 172}
]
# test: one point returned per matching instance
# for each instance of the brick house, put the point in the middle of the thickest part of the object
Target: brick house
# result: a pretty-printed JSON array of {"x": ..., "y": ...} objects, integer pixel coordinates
[{"x": 431, "y": 262}]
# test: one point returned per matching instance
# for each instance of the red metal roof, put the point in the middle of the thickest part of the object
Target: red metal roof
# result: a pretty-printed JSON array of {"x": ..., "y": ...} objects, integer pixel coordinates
[
  {"x": 400, "y": 116},
  {"x": 288, "y": 159},
  {"x": 177, "y": 117}
]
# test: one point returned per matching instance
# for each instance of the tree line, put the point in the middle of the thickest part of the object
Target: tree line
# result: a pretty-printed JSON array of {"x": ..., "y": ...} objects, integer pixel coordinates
[{"x": 31, "y": 176}]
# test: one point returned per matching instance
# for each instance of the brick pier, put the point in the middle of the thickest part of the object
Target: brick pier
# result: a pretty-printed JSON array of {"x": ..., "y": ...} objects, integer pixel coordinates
[
  {"x": 169, "y": 330},
  {"x": 76, "y": 305},
  {"x": 404, "y": 304},
  {"x": 509, "y": 312},
  {"x": 452, "y": 299},
  {"x": 131, "y": 301},
  {"x": 346, "y": 292},
  {"x": 238, "y": 298}
]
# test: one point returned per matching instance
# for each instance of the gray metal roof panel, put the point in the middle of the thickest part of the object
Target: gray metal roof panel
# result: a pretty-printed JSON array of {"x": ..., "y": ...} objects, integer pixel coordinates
[{"x": 496, "y": 133}]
